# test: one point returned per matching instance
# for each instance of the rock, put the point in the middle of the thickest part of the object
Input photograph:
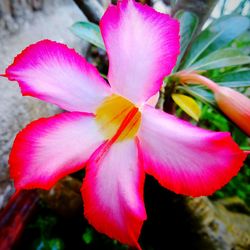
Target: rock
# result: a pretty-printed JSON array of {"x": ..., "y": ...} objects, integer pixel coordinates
[
  {"x": 221, "y": 225},
  {"x": 65, "y": 197},
  {"x": 17, "y": 111}
]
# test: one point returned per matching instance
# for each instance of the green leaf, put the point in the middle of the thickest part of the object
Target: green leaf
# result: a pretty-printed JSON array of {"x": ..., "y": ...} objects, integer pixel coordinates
[
  {"x": 243, "y": 42},
  {"x": 234, "y": 79},
  {"x": 88, "y": 31},
  {"x": 56, "y": 244},
  {"x": 221, "y": 58},
  {"x": 87, "y": 236},
  {"x": 188, "y": 24},
  {"x": 218, "y": 35},
  {"x": 188, "y": 105},
  {"x": 213, "y": 120},
  {"x": 200, "y": 93}
]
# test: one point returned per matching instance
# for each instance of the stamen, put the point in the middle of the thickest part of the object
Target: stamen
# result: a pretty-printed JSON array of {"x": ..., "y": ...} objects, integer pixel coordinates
[{"x": 118, "y": 118}]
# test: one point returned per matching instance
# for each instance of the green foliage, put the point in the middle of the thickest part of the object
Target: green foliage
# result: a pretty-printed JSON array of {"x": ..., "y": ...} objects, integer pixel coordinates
[
  {"x": 199, "y": 92},
  {"x": 89, "y": 32},
  {"x": 50, "y": 231},
  {"x": 218, "y": 35},
  {"x": 87, "y": 237},
  {"x": 242, "y": 42},
  {"x": 53, "y": 244},
  {"x": 234, "y": 79},
  {"x": 45, "y": 225},
  {"x": 221, "y": 58},
  {"x": 188, "y": 24},
  {"x": 218, "y": 51},
  {"x": 213, "y": 120}
]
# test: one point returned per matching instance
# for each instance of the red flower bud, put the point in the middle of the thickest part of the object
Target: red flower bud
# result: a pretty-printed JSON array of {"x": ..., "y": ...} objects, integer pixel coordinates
[{"x": 235, "y": 105}]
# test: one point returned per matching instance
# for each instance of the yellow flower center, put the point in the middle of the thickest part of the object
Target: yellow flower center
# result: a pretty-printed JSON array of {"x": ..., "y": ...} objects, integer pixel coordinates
[{"x": 118, "y": 118}]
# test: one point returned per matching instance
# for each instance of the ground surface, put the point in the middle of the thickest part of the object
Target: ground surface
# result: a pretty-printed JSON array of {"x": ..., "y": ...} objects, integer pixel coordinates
[{"x": 17, "y": 111}]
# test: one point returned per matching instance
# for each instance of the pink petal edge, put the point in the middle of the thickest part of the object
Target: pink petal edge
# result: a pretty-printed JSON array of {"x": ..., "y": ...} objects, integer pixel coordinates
[
  {"x": 142, "y": 46},
  {"x": 186, "y": 159},
  {"x": 51, "y": 148},
  {"x": 113, "y": 192},
  {"x": 52, "y": 72}
]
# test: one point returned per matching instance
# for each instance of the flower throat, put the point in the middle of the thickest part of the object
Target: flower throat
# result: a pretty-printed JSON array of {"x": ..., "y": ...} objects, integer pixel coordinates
[{"x": 118, "y": 118}]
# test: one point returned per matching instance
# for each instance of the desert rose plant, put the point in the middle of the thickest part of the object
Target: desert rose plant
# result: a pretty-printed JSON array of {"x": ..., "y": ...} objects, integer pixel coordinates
[{"x": 112, "y": 129}]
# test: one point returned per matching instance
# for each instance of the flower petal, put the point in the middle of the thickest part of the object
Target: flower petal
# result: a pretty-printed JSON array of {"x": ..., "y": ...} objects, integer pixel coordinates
[
  {"x": 54, "y": 73},
  {"x": 50, "y": 148},
  {"x": 142, "y": 46},
  {"x": 113, "y": 192},
  {"x": 186, "y": 159}
]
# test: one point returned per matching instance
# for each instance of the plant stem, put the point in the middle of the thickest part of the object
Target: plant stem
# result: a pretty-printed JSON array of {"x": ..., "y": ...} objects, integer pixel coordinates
[
  {"x": 186, "y": 77},
  {"x": 92, "y": 9}
]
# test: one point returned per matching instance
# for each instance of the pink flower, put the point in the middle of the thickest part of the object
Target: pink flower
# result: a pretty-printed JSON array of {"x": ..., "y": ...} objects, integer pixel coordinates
[{"x": 111, "y": 129}]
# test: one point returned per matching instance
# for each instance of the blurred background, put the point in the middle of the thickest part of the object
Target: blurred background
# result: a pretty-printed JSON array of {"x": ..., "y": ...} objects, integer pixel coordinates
[{"x": 54, "y": 220}]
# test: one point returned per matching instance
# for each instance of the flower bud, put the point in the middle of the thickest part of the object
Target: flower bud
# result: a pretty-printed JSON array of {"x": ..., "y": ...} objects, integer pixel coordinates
[
  {"x": 152, "y": 101},
  {"x": 235, "y": 105}
]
